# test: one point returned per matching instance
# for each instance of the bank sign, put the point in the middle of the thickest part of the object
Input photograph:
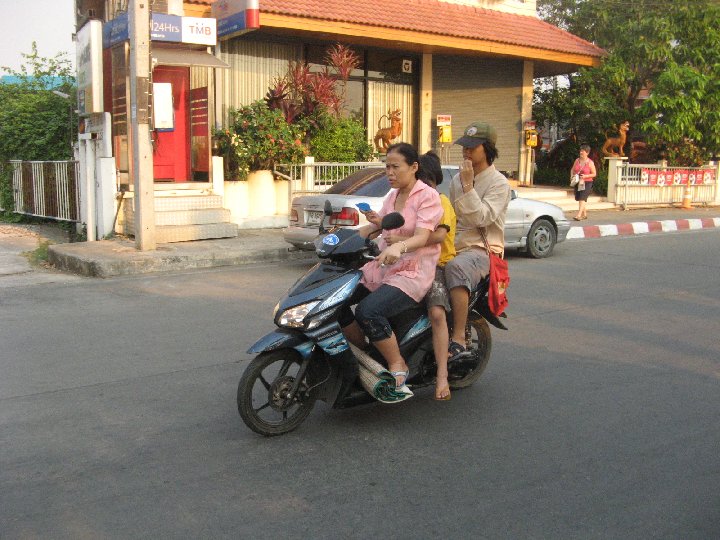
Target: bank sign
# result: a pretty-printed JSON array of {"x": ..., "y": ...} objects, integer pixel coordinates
[
  {"x": 236, "y": 16},
  {"x": 163, "y": 27}
]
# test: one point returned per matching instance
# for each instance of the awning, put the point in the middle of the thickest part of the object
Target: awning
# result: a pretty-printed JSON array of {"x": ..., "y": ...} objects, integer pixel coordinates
[{"x": 178, "y": 56}]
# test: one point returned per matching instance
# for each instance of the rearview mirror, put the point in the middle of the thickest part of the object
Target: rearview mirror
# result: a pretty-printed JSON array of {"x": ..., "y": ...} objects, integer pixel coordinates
[{"x": 327, "y": 212}]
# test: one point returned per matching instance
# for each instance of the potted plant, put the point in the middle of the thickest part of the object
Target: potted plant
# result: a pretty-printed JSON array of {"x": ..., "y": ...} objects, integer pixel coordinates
[
  {"x": 298, "y": 107},
  {"x": 255, "y": 139}
]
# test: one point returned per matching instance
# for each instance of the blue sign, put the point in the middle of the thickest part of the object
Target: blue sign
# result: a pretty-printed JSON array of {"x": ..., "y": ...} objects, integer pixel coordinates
[
  {"x": 163, "y": 27},
  {"x": 331, "y": 240},
  {"x": 233, "y": 23},
  {"x": 166, "y": 28},
  {"x": 116, "y": 31}
]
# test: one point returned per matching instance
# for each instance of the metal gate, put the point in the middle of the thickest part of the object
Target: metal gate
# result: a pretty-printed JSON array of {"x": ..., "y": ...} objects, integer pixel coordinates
[{"x": 47, "y": 189}]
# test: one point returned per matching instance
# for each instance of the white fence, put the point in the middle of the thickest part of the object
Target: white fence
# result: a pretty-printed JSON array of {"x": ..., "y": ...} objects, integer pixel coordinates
[
  {"x": 46, "y": 189},
  {"x": 660, "y": 185},
  {"x": 308, "y": 178}
]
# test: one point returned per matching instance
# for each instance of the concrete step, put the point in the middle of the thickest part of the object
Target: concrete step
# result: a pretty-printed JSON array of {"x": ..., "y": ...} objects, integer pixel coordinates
[
  {"x": 183, "y": 202},
  {"x": 185, "y": 233},
  {"x": 182, "y": 217},
  {"x": 185, "y": 218},
  {"x": 563, "y": 197}
]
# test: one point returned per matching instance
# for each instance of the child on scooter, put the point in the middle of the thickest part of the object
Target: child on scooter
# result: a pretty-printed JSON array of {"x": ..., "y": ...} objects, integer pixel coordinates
[{"x": 437, "y": 299}]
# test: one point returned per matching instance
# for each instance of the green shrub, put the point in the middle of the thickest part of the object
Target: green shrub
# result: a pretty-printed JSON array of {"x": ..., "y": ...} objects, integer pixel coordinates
[
  {"x": 257, "y": 138},
  {"x": 600, "y": 185},
  {"x": 340, "y": 139},
  {"x": 552, "y": 177},
  {"x": 7, "y": 204}
]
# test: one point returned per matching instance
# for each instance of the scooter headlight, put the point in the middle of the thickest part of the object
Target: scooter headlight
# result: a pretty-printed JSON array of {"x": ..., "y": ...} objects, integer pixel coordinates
[{"x": 295, "y": 316}]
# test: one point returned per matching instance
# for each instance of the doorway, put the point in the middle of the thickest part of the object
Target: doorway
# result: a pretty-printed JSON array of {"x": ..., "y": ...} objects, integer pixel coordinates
[{"x": 171, "y": 137}]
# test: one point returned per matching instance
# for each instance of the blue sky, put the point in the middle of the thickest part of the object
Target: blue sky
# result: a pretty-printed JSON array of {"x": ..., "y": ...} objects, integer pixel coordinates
[{"x": 50, "y": 23}]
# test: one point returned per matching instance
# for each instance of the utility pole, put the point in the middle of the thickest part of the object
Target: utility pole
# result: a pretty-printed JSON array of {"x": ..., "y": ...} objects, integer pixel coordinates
[{"x": 142, "y": 166}]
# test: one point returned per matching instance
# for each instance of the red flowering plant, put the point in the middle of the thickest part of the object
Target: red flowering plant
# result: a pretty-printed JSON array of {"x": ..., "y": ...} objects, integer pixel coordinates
[
  {"x": 304, "y": 95},
  {"x": 256, "y": 138},
  {"x": 298, "y": 107}
]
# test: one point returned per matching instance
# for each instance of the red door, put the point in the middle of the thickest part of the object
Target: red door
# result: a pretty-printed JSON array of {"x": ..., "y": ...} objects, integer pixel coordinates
[{"x": 171, "y": 149}]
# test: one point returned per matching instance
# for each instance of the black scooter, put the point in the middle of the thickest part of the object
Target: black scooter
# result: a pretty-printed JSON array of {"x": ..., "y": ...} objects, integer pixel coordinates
[{"x": 308, "y": 358}]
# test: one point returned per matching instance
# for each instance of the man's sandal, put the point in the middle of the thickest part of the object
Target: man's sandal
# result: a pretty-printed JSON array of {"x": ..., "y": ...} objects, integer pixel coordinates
[{"x": 456, "y": 351}]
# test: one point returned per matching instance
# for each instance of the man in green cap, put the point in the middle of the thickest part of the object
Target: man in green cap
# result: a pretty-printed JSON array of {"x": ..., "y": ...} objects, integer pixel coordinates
[{"x": 480, "y": 195}]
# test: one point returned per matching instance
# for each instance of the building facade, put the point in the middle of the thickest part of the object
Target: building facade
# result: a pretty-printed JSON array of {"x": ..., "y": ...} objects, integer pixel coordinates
[
  {"x": 459, "y": 60},
  {"x": 469, "y": 59}
]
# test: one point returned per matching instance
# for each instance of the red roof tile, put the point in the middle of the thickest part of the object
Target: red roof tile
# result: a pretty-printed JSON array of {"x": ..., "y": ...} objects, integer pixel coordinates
[{"x": 436, "y": 17}]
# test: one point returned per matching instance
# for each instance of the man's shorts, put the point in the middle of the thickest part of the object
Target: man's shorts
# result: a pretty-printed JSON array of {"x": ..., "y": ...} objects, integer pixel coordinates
[
  {"x": 467, "y": 269},
  {"x": 438, "y": 293}
]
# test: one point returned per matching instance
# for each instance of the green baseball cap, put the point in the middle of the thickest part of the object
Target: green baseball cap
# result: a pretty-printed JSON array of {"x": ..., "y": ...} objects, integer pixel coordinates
[{"x": 476, "y": 134}]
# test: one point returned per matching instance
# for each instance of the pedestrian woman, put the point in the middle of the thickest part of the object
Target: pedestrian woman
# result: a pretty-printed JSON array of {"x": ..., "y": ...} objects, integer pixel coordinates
[
  {"x": 400, "y": 277},
  {"x": 584, "y": 167}
]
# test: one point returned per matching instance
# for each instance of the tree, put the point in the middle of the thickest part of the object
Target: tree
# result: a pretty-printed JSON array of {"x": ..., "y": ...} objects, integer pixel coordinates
[
  {"x": 35, "y": 123},
  {"x": 670, "y": 48}
]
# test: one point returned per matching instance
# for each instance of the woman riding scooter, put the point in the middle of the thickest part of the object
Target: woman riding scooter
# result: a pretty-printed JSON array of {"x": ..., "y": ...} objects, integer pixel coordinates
[{"x": 398, "y": 279}]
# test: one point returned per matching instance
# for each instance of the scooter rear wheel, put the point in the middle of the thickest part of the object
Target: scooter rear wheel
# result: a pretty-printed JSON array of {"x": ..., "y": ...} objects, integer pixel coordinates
[
  {"x": 265, "y": 399},
  {"x": 480, "y": 345}
]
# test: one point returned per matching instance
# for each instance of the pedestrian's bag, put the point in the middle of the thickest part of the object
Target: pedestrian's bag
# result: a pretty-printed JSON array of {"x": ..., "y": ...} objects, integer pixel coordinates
[
  {"x": 575, "y": 180},
  {"x": 499, "y": 277}
]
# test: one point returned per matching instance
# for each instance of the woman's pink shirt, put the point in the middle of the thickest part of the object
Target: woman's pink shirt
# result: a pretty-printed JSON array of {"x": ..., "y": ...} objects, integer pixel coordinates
[{"x": 414, "y": 272}]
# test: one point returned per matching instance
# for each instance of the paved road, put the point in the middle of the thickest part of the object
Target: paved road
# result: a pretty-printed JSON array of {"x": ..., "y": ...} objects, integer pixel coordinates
[{"x": 597, "y": 417}]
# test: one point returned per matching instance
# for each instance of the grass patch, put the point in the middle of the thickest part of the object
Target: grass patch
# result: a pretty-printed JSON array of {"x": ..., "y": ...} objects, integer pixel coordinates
[
  {"x": 10, "y": 217},
  {"x": 39, "y": 256}
]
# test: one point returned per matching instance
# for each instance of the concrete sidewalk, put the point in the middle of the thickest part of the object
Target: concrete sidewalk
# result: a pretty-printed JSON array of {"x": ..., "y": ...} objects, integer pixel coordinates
[
  {"x": 19, "y": 239},
  {"x": 118, "y": 257}
]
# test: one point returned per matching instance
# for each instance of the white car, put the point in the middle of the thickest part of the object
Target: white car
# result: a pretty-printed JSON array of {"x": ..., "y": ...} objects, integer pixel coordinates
[{"x": 530, "y": 226}]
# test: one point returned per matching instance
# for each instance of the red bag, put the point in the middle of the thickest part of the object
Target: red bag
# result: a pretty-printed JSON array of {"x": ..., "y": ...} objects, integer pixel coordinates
[{"x": 499, "y": 282}]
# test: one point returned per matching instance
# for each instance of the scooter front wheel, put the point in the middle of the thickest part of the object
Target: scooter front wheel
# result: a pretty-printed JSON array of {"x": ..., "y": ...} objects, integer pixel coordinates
[{"x": 270, "y": 399}]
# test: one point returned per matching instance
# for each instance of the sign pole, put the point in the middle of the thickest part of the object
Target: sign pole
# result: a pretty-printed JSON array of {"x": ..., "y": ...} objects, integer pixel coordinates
[{"x": 139, "y": 30}]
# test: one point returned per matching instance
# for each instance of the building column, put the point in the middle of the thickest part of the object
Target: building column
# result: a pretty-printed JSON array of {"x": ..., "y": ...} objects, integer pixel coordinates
[
  {"x": 615, "y": 167},
  {"x": 142, "y": 170},
  {"x": 425, "y": 131},
  {"x": 525, "y": 167}
]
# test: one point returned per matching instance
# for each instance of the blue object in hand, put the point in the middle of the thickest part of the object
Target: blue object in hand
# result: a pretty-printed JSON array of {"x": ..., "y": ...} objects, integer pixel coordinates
[{"x": 363, "y": 206}]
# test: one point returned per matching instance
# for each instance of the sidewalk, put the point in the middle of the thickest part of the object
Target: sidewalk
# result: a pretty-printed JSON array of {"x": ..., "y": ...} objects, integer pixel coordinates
[
  {"x": 118, "y": 257},
  {"x": 16, "y": 239}
]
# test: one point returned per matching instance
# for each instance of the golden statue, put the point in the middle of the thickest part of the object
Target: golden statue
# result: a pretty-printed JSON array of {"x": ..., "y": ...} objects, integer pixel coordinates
[
  {"x": 612, "y": 143},
  {"x": 387, "y": 134}
]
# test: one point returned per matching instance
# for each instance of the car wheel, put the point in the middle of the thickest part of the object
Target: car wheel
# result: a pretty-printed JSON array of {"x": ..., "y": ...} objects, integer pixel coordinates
[{"x": 541, "y": 239}]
